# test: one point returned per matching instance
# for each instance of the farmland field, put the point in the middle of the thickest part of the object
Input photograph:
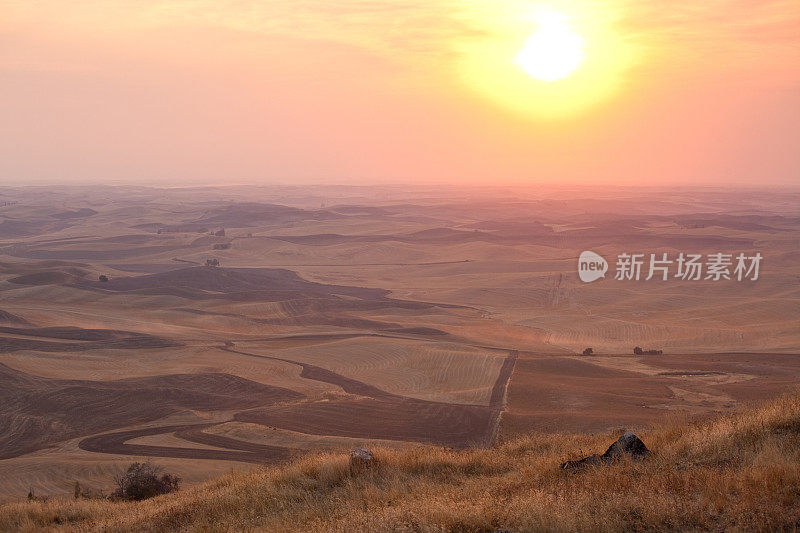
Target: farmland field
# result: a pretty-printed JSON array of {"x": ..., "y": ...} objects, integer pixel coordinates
[{"x": 386, "y": 317}]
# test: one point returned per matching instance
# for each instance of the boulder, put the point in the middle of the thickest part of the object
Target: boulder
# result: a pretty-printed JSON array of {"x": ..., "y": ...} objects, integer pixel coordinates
[
  {"x": 361, "y": 460},
  {"x": 627, "y": 445}
]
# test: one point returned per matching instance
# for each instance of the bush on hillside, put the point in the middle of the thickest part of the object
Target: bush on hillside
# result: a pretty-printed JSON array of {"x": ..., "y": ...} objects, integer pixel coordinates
[{"x": 144, "y": 480}]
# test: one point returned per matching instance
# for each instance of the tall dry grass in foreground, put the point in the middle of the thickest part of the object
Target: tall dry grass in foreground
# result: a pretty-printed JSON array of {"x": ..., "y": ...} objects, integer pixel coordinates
[{"x": 735, "y": 473}]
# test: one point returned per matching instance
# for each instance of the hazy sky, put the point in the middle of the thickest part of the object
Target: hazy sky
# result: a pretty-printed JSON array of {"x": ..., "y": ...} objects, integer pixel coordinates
[{"x": 352, "y": 91}]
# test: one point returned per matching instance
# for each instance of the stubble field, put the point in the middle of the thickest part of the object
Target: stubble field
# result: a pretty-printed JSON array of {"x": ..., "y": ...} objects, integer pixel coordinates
[{"x": 383, "y": 320}]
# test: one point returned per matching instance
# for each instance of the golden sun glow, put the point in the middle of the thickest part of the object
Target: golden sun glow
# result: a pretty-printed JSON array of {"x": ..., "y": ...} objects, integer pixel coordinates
[
  {"x": 542, "y": 62},
  {"x": 553, "y": 51}
]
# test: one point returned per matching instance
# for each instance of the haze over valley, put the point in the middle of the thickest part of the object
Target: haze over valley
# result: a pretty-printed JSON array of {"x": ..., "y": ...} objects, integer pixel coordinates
[{"x": 212, "y": 328}]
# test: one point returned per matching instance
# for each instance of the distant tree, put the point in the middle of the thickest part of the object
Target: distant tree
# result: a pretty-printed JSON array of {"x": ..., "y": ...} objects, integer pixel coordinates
[
  {"x": 212, "y": 262},
  {"x": 638, "y": 351},
  {"x": 588, "y": 351},
  {"x": 144, "y": 480},
  {"x": 103, "y": 278}
]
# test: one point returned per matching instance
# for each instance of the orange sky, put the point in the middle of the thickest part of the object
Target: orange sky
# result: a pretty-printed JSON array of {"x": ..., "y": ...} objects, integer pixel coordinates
[{"x": 175, "y": 92}]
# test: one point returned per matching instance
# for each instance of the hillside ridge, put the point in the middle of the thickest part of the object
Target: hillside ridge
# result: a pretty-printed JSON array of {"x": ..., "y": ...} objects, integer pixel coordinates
[{"x": 733, "y": 472}]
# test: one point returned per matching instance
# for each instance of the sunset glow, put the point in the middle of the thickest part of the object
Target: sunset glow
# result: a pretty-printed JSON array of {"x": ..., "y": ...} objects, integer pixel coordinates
[
  {"x": 553, "y": 51},
  {"x": 515, "y": 91},
  {"x": 543, "y": 63},
  {"x": 281, "y": 234}
]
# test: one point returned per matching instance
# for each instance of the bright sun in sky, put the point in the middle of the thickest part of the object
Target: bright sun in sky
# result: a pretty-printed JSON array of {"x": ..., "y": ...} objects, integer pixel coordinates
[
  {"x": 553, "y": 51},
  {"x": 545, "y": 61}
]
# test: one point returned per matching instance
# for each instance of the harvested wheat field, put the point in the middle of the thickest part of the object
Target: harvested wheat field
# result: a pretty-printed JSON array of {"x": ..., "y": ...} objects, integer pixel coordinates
[
  {"x": 735, "y": 472},
  {"x": 386, "y": 321}
]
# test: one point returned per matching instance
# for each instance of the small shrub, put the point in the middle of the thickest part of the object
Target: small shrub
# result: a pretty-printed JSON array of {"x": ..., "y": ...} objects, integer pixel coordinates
[
  {"x": 588, "y": 351},
  {"x": 144, "y": 480},
  {"x": 103, "y": 278}
]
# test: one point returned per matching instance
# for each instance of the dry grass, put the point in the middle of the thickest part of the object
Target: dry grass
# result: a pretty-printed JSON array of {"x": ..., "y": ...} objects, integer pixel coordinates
[{"x": 739, "y": 472}]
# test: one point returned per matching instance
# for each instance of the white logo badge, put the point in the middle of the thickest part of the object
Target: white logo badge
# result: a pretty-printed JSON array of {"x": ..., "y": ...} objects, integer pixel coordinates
[{"x": 591, "y": 267}]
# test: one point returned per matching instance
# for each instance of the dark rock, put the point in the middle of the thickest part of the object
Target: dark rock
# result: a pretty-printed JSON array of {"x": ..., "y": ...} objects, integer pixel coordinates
[
  {"x": 361, "y": 460},
  {"x": 627, "y": 445}
]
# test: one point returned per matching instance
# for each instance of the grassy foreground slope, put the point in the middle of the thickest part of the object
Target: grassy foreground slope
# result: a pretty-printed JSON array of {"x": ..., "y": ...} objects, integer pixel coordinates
[{"x": 739, "y": 472}]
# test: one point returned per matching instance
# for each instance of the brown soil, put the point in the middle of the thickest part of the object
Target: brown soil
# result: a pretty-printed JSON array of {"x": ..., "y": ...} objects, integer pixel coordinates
[
  {"x": 237, "y": 450},
  {"x": 393, "y": 419},
  {"x": 43, "y": 339},
  {"x": 36, "y": 412},
  {"x": 380, "y": 415},
  {"x": 552, "y": 393}
]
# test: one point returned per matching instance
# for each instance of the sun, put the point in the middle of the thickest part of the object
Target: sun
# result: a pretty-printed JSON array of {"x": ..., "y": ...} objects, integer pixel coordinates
[
  {"x": 545, "y": 61},
  {"x": 553, "y": 51}
]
